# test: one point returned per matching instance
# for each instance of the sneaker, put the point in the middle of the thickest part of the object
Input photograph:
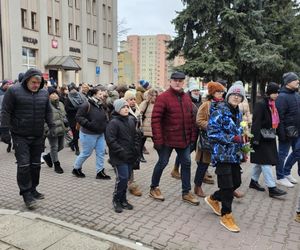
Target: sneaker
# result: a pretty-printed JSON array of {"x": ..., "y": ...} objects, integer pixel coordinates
[
  {"x": 275, "y": 192},
  {"x": 175, "y": 173},
  {"x": 156, "y": 194},
  {"x": 228, "y": 222},
  {"x": 37, "y": 195},
  {"x": 291, "y": 179},
  {"x": 47, "y": 159},
  {"x": 285, "y": 182},
  {"x": 126, "y": 205},
  {"x": 190, "y": 198},
  {"x": 102, "y": 175},
  {"x": 297, "y": 218},
  {"x": 117, "y": 206},
  {"x": 214, "y": 204},
  {"x": 78, "y": 173},
  {"x": 255, "y": 185},
  {"x": 57, "y": 168},
  {"x": 29, "y": 201},
  {"x": 134, "y": 189}
]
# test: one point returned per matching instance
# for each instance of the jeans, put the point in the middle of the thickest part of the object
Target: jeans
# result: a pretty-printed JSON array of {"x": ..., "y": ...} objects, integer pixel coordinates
[
  {"x": 267, "y": 173},
  {"x": 184, "y": 156},
  {"x": 88, "y": 144},
  {"x": 56, "y": 145},
  {"x": 28, "y": 152},
  {"x": 177, "y": 163},
  {"x": 284, "y": 169},
  {"x": 122, "y": 177},
  {"x": 200, "y": 173}
]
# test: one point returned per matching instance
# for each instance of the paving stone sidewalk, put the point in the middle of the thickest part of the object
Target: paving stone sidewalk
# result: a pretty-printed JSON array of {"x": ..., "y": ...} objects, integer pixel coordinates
[{"x": 265, "y": 223}]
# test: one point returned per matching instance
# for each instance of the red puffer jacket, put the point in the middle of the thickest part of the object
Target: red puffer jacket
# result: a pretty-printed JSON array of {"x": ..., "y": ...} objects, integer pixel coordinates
[{"x": 172, "y": 120}]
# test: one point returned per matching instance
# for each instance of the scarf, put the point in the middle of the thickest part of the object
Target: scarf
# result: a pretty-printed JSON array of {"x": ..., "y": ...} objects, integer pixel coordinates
[{"x": 274, "y": 113}]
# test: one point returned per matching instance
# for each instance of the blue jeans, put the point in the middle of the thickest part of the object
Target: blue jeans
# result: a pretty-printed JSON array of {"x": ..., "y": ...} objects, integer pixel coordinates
[
  {"x": 122, "y": 176},
  {"x": 184, "y": 157},
  {"x": 88, "y": 144},
  {"x": 267, "y": 173},
  {"x": 200, "y": 173},
  {"x": 282, "y": 169}
]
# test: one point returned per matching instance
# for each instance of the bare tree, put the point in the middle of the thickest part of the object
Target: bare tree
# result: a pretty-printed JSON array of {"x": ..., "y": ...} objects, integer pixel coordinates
[{"x": 122, "y": 29}]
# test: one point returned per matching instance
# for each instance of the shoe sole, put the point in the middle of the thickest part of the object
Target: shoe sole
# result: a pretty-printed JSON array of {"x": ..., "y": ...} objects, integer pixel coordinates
[
  {"x": 231, "y": 230},
  {"x": 288, "y": 186},
  {"x": 215, "y": 211},
  {"x": 155, "y": 198},
  {"x": 192, "y": 203},
  {"x": 258, "y": 189}
]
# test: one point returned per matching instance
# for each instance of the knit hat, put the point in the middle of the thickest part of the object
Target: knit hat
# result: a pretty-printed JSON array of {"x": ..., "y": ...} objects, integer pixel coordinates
[
  {"x": 213, "y": 87},
  {"x": 6, "y": 82},
  {"x": 272, "y": 88},
  {"x": 194, "y": 86},
  {"x": 144, "y": 84},
  {"x": 289, "y": 77},
  {"x": 129, "y": 95},
  {"x": 52, "y": 90},
  {"x": 119, "y": 104},
  {"x": 238, "y": 83},
  {"x": 236, "y": 89},
  {"x": 71, "y": 86}
]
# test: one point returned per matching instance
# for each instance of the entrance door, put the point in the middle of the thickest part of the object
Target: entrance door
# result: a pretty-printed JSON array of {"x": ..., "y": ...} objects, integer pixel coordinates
[{"x": 53, "y": 76}]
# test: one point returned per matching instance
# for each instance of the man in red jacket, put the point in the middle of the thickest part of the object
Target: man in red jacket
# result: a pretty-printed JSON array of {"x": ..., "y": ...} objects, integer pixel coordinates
[{"x": 173, "y": 128}]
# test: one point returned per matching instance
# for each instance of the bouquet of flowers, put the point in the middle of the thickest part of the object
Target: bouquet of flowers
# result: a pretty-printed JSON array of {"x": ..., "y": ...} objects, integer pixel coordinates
[{"x": 246, "y": 147}]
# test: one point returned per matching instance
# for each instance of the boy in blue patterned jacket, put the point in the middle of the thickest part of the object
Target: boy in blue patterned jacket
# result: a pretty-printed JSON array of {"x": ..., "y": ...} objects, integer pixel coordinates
[{"x": 225, "y": 134}]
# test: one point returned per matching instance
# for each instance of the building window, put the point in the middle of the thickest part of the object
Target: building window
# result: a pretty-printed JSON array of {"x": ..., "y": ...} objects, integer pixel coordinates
[
  {"x": 70, "y": 3},
  {"x": 104, "y": 40},
  {"x": 57, "y": 27},
  {"x": 70, "y": 31},
  {"x": 104, "y": 11},
  {"x": 77, "y": 4},
  {"x": 77, "y": 33},
  {"x": 109, "y": 41},
  {"x": 28, "y": 58},
  {"x": 24, "y": 18},
  {"x": 109, "y": 13},
  {"x": 94, "y": 7},
  {"x": 49, "y": 22},
  {"x": 33, "y": 21},
  {"x": 88, "y": 36},
  {"x": 94, "y": 37},
  {"x": 88, "y": 6}
]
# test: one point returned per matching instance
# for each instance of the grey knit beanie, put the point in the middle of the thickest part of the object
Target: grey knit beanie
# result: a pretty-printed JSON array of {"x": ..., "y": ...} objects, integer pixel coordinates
[
  {"x": 289, "y": 77},
  {"x": 119, "y": 104},
  {"x": 236, "y": 89}
]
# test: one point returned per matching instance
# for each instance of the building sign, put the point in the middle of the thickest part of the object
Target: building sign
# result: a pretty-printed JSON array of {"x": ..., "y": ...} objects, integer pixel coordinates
[
  {"x": 46, "y": 76},
  {"x": 97, "y": 70},
  {"x": 54, "y": 43},
  {"x": 30, "y": 40},
  {"x": 76, "y": 50}
]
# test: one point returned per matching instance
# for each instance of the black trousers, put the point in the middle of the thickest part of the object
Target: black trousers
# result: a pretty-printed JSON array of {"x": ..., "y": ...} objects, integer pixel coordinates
[
  {"x": 28, "y": 152},
  {"x": 229, "y": 179}
]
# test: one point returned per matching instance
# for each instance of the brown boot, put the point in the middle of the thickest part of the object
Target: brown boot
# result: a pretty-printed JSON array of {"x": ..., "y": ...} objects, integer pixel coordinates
[
  {"x": 190, "y": 198},
  {"x": 228, "y": 222},
  {"x": 208, "y": 180},
  {"x": 238, "y": 194},
  {"x": 175, "y": 173},
  {"x": 198, "y": 191},
  {"x": 214, "y": 204},
  {"x": 134, "y": 189},
  {"x": 155, "y": 193}
]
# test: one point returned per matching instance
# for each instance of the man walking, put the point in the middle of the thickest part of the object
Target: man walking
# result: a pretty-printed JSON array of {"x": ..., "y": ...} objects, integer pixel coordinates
[
  {"x": 25, "y": 109},
  {"x": 173, "y": 128}
]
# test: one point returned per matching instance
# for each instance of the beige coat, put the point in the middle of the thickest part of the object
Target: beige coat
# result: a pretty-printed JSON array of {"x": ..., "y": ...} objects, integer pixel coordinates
[
  {"x": 202, "y": 122},
  {"x": 146, "y": 109}
]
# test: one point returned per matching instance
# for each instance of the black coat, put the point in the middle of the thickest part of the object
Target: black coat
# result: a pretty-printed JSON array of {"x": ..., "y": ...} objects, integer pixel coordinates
[
  {"x": 266, "y": 152},
  {"x": 121, "y": 139}
]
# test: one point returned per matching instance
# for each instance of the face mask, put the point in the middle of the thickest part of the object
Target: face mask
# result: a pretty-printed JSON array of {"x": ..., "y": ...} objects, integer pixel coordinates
[{"x": 195, "y": 96}]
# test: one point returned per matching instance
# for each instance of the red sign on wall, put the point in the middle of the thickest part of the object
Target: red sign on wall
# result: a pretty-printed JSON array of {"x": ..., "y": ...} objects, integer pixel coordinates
[{"x": 54, "y": 43}]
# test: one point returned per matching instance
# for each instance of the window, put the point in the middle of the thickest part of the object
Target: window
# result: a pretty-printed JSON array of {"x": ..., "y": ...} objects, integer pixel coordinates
[
  {"x": 77, "y": 33},
  {"x": 88, "y": 36},
  {"x": 57, "y": 27},
  {"x": 104, "y": 40},
  {"x": 28, "y": 58},
  {"x": 70, "y": 3},
  {"x": 94, "y": 7},
  {"x": 77, "y": 4},
  {"x": 88, "y": 6},
  {"x": 70, "y": 31},
  {"x": 94, "y": 37},
  {"x": 24, "y": 18},
  {"x": 109, "y": 41},
  {"x": 103, "y": 11},
  {"x": 109, "y": 13},
  {"x": 49, "y": 22},
  {"x": 33, "y": 21}
]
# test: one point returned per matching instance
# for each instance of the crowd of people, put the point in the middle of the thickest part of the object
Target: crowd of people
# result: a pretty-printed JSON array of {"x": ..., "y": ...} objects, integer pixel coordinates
[{"x": 119, "y": 119}]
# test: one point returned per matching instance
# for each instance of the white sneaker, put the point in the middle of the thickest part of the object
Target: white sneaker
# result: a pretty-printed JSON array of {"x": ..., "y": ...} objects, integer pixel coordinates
[
  {"x": 291, "y": 179},
  {"x": 285, "y": 182}
]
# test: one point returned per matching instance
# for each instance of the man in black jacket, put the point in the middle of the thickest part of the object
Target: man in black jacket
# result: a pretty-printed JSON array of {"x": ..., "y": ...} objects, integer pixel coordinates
[{"x": 25, "y": 109}]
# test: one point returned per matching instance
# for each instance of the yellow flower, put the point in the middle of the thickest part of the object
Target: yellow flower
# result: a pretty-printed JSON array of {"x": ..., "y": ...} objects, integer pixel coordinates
[{"x": 243, "y": 124}]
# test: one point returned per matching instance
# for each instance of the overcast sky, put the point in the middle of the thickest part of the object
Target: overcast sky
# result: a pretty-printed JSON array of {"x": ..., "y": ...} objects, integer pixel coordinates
[{"x": 148, "y": 17}]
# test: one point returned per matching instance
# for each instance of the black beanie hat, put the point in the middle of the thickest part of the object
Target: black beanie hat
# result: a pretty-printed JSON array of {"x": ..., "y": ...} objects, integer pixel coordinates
[
  {"x": 289, "y": 77},
  {"x": 272, "y": 88},
  {"x": 52, "y": 90},
  {"x": 71, "y": 86}
]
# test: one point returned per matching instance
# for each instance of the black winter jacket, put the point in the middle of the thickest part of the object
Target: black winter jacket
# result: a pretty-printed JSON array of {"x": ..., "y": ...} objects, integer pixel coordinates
[
  {"x": 288, "y": 106},
  {"x": 121, "y": 139},
  {"x": 25, "y": 112},
  {"x": 92, "y": 118}
]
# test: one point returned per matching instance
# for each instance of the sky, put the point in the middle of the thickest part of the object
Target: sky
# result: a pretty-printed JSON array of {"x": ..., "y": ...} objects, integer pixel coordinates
[{"x": 148, "y": 17}]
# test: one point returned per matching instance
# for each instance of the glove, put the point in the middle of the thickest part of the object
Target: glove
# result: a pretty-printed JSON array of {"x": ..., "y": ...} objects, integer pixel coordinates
[
  {"x": 238, "y": 139},
  {"x": 158, "y": 147}
]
